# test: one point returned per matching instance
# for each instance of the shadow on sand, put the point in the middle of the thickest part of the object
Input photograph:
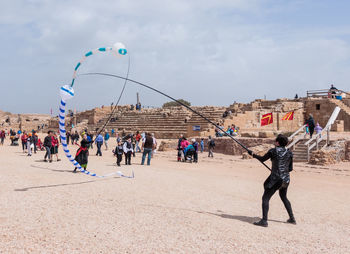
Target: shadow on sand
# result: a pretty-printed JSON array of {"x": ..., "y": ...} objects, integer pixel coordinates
[
  {"x": 64, "y": 184},
  {"x": 219, "y": 213},
  {"x": 55, "y": 170}
]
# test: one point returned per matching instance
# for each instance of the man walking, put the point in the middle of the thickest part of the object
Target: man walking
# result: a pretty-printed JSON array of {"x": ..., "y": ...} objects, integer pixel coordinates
[
  {"x": 147, "y": 147},
  {"x": 106, "y": 139},
  {"x": 99, "y": 143},
  {"x": 211, "y": 145},
  {"x": 48, "y": 145}
]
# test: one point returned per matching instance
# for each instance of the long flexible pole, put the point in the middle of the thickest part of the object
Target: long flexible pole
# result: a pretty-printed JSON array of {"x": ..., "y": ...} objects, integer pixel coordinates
[
  {"x": 168, "y": 96},
  {"x": 117, "y": 103}
]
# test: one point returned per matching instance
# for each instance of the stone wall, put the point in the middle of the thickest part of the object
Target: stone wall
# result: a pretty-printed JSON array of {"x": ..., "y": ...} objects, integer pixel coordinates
[
  {"x": 248, "y": 116},
  {"x": 347, "y": 150},
  {"x": 322, "y": 109},
  {"x": 230, "y": 147}
]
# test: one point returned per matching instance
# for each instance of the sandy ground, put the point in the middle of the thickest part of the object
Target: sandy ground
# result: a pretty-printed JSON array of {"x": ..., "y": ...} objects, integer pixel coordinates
[{"x": 169, "y": 207}]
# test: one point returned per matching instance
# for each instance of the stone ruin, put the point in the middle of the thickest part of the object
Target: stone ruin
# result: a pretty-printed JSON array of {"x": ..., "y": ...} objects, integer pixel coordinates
[{"x": 22, "y": 122}]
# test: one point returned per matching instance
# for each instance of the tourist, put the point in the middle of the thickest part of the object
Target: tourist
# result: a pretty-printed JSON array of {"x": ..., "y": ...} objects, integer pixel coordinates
[
  {"x": 318, "y": 128},
  {"x": 311, "y": 124},
  {"x": 30, "y": 142},
  {"x": 189, "y": 153},
  {"x": 218, "y": 130},
  {"x": 48, "y": 145},
  {"x": 184, "y": 144},
  {"x": 127, "y": 148},
  {"x": 211, "y": 146},
  {"x": 133, "y": 142},
  {"x": 82, "y": 153},
  {"x": 147, "y": 147},
  {"x": 202, "y": 145},
  {"x": 24, "y": 141},
  {"x": 282, "y": 164},
  {"x": 118, "y": 152},
  {"x": 154, "y": 151},
  {"x": 179, "y": 142},
  {"x": 91, "y": 138},
  {"x": 106, "y": 139},
  {"x": 138, "y": 139},
  {"x": 333, "y": 91},
  {"x": 195, "y": 145},
  {"x": 99, "y": 143},
  {"x": 117, "y": 137},
  {"x": 35, "y": 139},
  {"x": 112, "y": 132},
  {"x": 76, "y": 137},
  {"x": 2, "y": 137},
  {"x": 68, "y": 136},
  {"x": 55, "y": 144}
]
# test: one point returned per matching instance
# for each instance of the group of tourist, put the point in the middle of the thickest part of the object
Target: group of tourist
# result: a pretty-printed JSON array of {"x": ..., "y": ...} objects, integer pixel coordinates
[
  {"x": 231, "y": 130},
  {"x": 188, "y": 151},
  {"x": 311, "y": 127},
  {"x": 127, "y": 146}
]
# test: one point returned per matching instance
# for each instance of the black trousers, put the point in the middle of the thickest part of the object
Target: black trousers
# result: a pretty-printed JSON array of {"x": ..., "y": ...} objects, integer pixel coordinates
[
  {"x": 119, "y": 158},
  {"x": 98, "y": 148},
  {"x": 24, "y": 145},
  {"x": 195, "y": 157},
  {"x": 311, "y": 130},
  {"x": 128, "y": 158},
  {"x": 268, "y": 193}
]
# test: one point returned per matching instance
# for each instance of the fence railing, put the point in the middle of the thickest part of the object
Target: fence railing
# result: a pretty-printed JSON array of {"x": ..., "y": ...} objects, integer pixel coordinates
[
  {"x": 315, "y": 141},
  {"x": 296, "y": 137},
  {"x": 325, "y": 93}
]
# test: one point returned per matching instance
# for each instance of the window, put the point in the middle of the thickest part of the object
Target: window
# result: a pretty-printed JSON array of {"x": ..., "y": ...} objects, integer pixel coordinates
[{"x": 318, "y": 106}]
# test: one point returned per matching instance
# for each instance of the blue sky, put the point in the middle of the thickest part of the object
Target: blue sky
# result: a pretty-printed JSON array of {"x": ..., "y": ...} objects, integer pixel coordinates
[{"x": 209, "y": 53}]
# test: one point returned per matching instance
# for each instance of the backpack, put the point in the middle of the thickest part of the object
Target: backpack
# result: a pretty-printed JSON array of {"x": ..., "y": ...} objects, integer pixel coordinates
[{"x": 211, "y": 143}]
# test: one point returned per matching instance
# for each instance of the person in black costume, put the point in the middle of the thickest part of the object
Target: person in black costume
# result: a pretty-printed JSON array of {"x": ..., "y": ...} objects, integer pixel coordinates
[
  {"x": 282, "y": 164},
  {"x": 83, "y": 153}
]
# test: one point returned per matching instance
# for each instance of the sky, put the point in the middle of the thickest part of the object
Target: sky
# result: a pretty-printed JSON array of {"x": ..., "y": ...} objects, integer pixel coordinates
[{"x": 206, "y": 52}]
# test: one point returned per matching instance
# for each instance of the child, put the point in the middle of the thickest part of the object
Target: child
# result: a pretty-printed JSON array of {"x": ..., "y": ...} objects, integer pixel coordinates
[
  {"x": 202, "y": 145},
  {"x": 30, "y": 142},
  {"x": 127, "y": 148},
  {"x": 119, "y": 152},
  {"x": 318, "y": 128}
]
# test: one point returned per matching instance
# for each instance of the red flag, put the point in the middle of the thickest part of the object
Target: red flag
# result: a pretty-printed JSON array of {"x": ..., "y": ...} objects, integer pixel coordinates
[
  {"x": 289, "y": 116},
  {"x": 266, "y": 119}
]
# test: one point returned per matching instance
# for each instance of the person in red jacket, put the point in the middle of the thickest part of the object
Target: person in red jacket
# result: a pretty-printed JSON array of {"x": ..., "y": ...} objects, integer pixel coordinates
[
  {"x": 55, "y": 144},
  {"x": 2, "y": 137},
  {"x": 24, "y": 141}
]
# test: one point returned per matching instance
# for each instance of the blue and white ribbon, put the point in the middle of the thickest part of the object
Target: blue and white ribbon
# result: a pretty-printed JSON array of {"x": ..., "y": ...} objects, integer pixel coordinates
[{"x": 67, "y": 93}]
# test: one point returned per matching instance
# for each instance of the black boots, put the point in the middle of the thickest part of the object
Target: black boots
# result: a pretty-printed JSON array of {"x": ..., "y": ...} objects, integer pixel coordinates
[
  {"x": 261, "y": 223},
  {"x": 292, "y": 221}
]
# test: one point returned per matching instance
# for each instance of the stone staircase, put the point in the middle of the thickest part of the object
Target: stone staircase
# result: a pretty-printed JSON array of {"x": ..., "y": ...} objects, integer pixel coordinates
[
  {"x": 300, "y": 150},
  {"x": 342, "y": 105}
]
